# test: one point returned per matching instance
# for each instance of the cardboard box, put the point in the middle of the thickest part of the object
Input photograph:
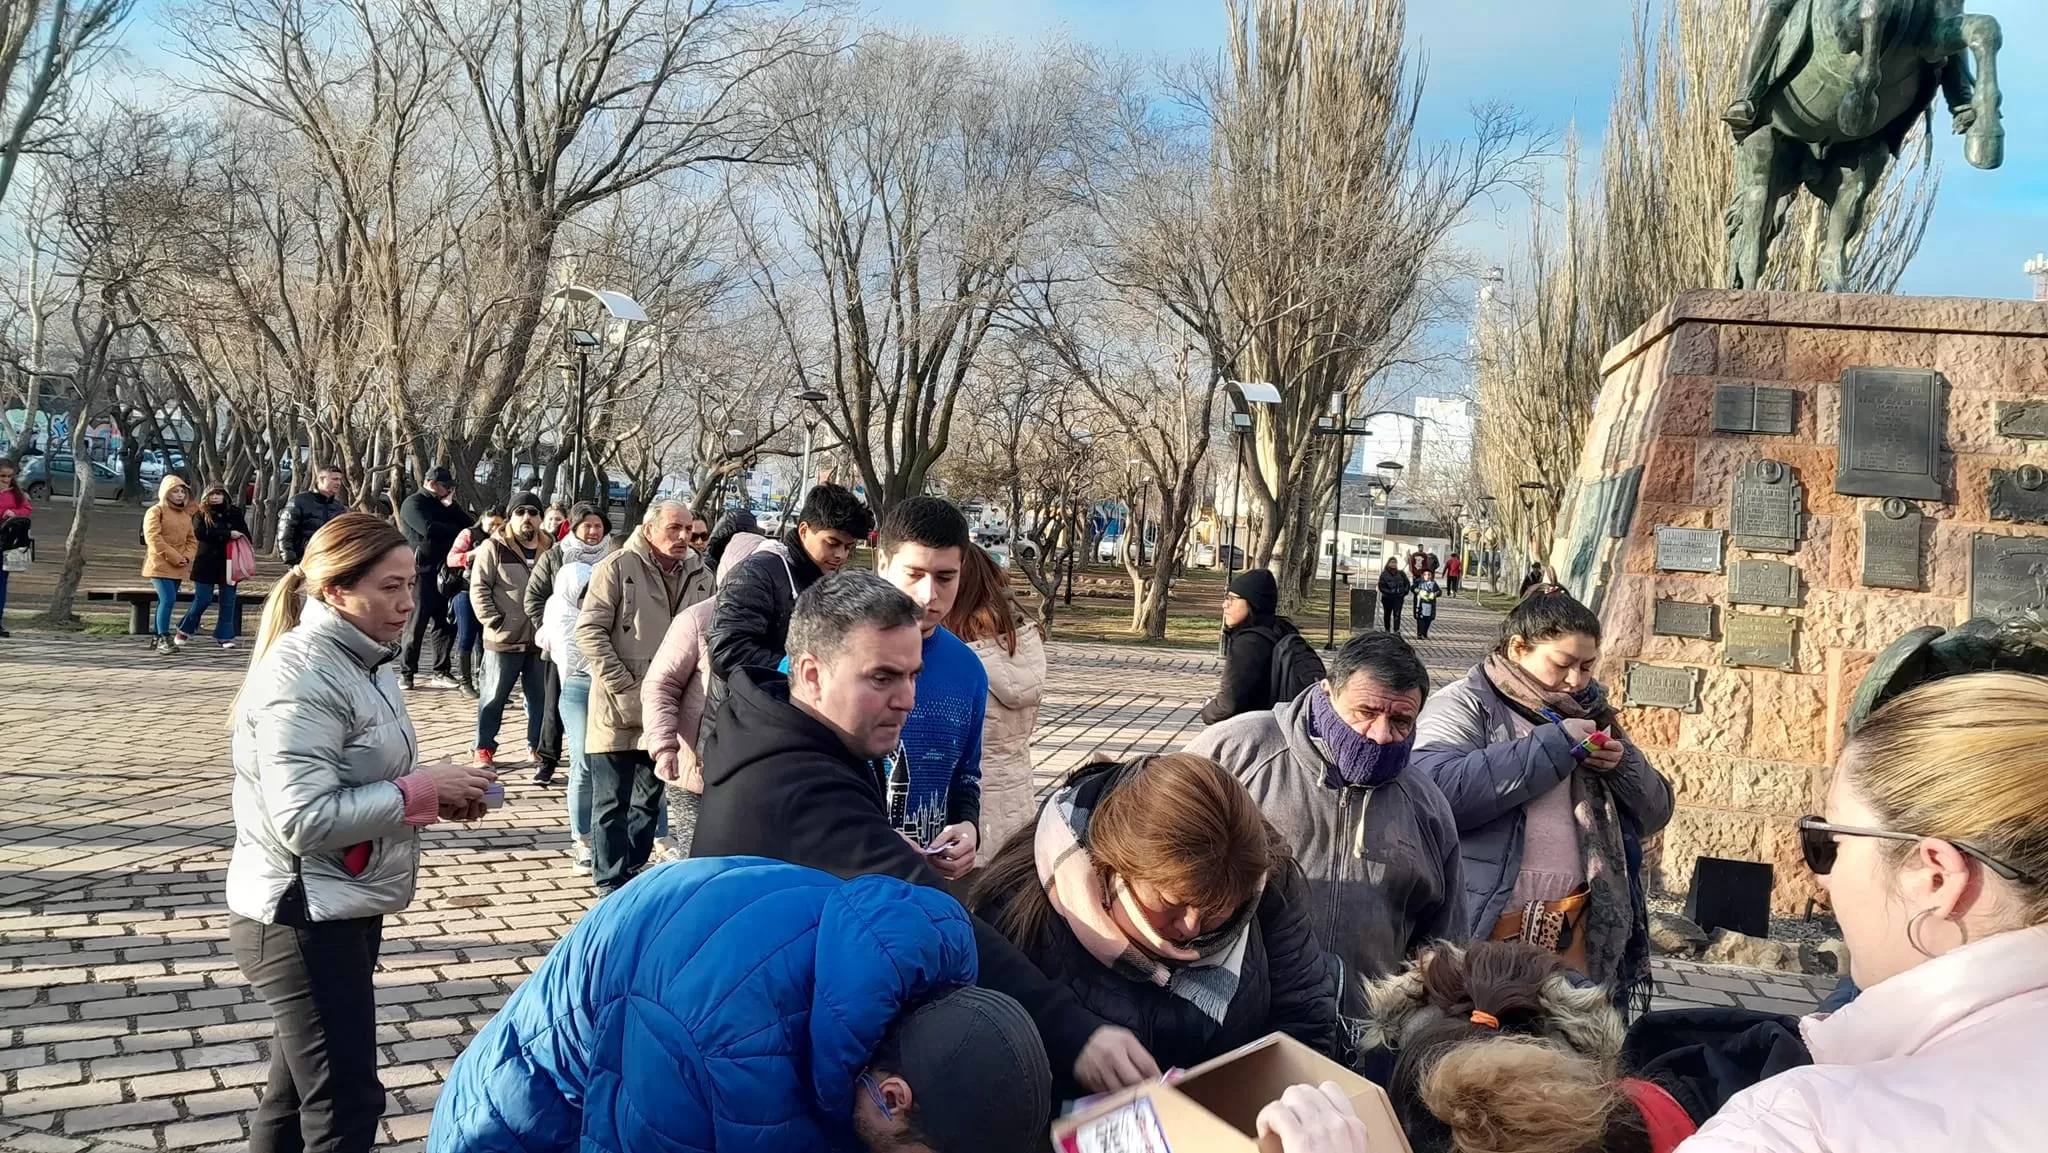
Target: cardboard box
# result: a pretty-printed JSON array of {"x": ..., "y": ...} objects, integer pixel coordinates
[{"x": 1213, "y": 1108}]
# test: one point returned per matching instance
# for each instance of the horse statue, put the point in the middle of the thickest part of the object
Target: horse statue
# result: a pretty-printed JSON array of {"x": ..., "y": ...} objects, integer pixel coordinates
[{"x": 1832, "y": 89}]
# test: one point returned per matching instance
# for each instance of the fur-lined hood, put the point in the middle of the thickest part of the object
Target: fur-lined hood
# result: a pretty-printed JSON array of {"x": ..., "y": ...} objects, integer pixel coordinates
[{"x": 1581, "y": 1019}]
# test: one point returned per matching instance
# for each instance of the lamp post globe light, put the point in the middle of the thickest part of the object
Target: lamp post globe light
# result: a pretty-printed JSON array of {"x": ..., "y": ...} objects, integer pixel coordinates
[
  {"x": 579, "y": 341},
  {"x": 812, "y": 398}
]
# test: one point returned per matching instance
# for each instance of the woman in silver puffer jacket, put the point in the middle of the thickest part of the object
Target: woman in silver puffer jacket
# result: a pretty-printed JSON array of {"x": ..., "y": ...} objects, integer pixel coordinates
[{"x": 329, "y": 800}]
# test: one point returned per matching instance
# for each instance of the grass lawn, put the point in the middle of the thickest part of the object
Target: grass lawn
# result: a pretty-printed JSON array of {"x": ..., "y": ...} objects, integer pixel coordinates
[{"x": 1102, "y": 609}]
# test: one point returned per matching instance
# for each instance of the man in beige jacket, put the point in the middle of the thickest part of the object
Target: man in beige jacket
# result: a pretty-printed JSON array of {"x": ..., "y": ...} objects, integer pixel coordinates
[{"x": 633, "y": 595}]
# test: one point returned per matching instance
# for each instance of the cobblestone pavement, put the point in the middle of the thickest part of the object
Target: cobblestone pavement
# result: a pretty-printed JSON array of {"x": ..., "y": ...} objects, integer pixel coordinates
[{"x": 124, "y": 1022}]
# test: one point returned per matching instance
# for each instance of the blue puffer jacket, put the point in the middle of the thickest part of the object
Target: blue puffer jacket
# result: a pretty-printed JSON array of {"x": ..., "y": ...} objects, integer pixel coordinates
[{"x": 727, "y": 1003}]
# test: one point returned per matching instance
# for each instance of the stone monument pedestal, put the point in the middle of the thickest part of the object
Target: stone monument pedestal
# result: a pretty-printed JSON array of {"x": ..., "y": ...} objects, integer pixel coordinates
[{"x": 1774, "y": 488}]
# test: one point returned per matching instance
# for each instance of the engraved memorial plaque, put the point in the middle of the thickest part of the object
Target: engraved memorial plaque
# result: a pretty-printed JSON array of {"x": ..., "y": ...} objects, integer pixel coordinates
[
  {"x": 1663, "y": 687},
  {"x": 2008, "y": 575},
  {"x": 1891, "y": 546},
  {"x": 1752, "y": 408},
  {"x": 1760, "y": 641},
  {"x": 2020, "y": 495},
  {"x": 1683, "y": 619},
  {"x": 2024, "y": 419},
  {"x": 1688, "y": 549},
  {"x": 1763, "y": 582},
  {"x": 1765, "y": 513},
  {"x": 1891, "y": 433}
]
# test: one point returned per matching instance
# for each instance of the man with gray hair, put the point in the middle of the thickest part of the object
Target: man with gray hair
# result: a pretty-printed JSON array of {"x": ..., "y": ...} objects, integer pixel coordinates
[
  {"x": 633, "y": 595},
  {"x": 791, "y": 771}
]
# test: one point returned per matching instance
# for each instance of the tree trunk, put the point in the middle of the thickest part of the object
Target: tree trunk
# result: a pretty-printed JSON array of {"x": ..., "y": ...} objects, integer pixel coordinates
[{"x": 73, "y": 572}]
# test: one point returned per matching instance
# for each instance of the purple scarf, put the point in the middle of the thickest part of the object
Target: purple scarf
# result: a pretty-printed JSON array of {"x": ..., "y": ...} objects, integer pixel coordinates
[{"x": 1358, "y": 761}]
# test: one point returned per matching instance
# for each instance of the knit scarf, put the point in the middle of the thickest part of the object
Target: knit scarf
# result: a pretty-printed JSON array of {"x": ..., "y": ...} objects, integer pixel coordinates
[
  {"x": 1355, "y": 760},
  {"x": 1204, "y": 972},
  {"x": 1610, "y": 915}
]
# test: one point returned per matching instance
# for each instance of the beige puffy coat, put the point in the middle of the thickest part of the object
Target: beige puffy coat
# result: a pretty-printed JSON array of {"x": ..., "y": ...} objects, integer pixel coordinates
[
  {"x": 626, "y": 612},
  {"x": 1016, "y": 685}
]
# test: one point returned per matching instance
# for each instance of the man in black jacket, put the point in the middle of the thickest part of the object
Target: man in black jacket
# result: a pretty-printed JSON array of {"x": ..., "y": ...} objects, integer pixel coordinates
[
  {"x": 306, "y": 513},
  {"x": 750, "y": 626},
  {"x": 790, "y": 773},
  {"x": 431, "y": 522},
  {"x": 1251, "y": 639}
]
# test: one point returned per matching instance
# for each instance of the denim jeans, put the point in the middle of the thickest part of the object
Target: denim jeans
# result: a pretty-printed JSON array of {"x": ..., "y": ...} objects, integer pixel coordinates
[
  {"x": 575, "y": 709},
  {"x": 501, "y": 672},
  {"x": 469, "y": 631},
  {"x": 166, "y": 600},
  {"x": 224, "y": 620},
  {"x": 4, "y": 574}
]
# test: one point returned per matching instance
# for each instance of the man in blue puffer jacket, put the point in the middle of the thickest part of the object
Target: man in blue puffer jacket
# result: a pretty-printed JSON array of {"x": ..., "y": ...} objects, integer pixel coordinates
[{"x": 737, "y": 1003}]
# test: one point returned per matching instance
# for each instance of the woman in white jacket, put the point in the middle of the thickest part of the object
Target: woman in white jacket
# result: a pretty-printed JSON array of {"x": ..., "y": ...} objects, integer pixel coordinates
[
  {"x": 1012, "y": 650},
  {"x": 1935, "y": 854}
]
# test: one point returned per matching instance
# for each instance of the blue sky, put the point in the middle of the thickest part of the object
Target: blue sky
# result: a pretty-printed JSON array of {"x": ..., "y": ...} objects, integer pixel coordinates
[{"x": 1556, "y": 61}]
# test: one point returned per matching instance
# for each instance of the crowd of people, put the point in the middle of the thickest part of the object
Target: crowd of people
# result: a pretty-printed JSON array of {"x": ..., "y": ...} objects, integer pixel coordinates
[{"x": 886, "y": 938}]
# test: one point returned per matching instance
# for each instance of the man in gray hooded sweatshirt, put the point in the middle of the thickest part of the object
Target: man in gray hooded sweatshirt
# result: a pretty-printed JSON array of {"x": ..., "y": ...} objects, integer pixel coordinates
[{"x": 1379, "y": 844}]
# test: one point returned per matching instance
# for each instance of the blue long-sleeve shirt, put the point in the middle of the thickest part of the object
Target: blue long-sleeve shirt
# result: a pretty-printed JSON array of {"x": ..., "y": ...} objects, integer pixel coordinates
[{"x": 943, "y": 735}]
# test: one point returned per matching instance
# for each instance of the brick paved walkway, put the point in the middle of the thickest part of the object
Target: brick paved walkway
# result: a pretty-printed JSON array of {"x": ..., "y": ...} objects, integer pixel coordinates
[{"x": 123, "y": 1020}]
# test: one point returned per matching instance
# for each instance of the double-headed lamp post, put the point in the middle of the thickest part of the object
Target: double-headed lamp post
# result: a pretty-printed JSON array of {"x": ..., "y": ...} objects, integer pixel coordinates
[
  {"x": 579, "y": 341},
  {"x": 1251, "y": 392},
  {"x": 812, "y": 398}
]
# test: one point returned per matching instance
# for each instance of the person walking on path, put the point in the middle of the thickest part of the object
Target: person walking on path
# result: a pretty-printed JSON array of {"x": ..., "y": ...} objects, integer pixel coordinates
[
  {"x": 752, "y": 619},
  {"x": 672, "y": 698},
  {"x": 1553, "y": 802},
  {"x": 1454, "y": 571},
  {"x": 170, "y": 547},
  {"x": 634, "y": 595},
  {"x": 1012, "y": 650},
  {"x": 1265, "y": 659},
  {"x": 790, "y": 772},
  {"x": 497, "y": 587},
  {"x": 1376, "y": 838},
  {"x": 218, "y": 523},
  {"x": 1158, "y": 894},
  {"x": 1394, "y": 589},
  {"x": 1934, "y": 855},
  {"x": 469, "y": 632},
  {"x": 15, "y": 516},
  {"x": 306, "y": 513},
  {"x": 431, "y": 520},
  {"x": 1426, "y": 593},
  {"x": 1531, "y": 579},
  {"x": 921, "y": 550},
  {"x": 671, "y": 1017},
  {"x": 329, "y": 799},
  {"x": 557, "y": 637},
  {"x": 591, "y": 530}
]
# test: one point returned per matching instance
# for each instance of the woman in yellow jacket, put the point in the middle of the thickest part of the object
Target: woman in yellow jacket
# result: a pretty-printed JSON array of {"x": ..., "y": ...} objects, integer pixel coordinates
[{"x": 167, "y": 531}]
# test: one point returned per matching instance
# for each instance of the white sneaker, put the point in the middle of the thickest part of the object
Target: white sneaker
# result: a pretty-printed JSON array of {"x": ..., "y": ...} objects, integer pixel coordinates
[
  {"x": 440, "y": 681},
  {"x": 666, "y": 849},
  {"x": 579, "y": 853}
]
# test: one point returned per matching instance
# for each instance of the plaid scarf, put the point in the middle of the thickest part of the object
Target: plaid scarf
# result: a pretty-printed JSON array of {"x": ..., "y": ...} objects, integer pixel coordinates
[{"x": 1204, "y": 972}]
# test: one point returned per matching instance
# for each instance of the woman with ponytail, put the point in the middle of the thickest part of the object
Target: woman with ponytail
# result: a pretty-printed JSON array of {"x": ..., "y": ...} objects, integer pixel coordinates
[{"x": 329, "y": 800}]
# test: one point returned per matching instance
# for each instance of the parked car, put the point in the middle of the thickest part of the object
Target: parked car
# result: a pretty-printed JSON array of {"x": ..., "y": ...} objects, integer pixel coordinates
[
  {"x": 42, "y": 474},
  {"x": 152, "y": 470}
]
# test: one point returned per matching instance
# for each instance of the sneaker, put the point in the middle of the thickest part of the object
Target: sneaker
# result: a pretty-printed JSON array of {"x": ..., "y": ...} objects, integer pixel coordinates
[
  {"x": 485, "y": 758},
  {"x": 179, "y": 640},
  {"x": 227, "y": 644},
  {"x": 579, "y": 854},
  {"x": 405, "y": 682},
  {"x": 163, "y": 645},
  {"x": 444, "y": 681},
  {"x": 4, "y": 634},
  {"x": 469, "y": 690},
  {"x": 665, "y": 850},
  {"x": 544, "y": 775}
]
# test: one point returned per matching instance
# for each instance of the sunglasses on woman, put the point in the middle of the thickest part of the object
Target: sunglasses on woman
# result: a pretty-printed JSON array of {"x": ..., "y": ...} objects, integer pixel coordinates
[{"x": 1818, "y": 845}]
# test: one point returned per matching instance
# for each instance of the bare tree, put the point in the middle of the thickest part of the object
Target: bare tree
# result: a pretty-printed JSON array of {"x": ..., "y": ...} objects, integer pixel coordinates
[{"x": 44, "y": 44}]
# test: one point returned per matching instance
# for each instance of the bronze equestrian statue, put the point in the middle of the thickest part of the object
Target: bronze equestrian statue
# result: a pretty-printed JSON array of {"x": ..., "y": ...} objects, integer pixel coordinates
[{"x": 1832, "y": 89}]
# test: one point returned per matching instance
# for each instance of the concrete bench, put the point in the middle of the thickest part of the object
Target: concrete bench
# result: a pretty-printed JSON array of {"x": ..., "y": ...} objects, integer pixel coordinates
[{"x": 141, "y": 604}]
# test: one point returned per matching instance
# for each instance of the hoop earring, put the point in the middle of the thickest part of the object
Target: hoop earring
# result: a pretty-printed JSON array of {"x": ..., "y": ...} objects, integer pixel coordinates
[{"x": 1913, "y": 934}]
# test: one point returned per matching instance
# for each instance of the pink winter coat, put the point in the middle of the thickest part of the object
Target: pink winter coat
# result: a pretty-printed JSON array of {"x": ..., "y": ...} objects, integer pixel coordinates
[
  {"x": 1949, "y": 1055},
  {"x": 672, "y": 694}
]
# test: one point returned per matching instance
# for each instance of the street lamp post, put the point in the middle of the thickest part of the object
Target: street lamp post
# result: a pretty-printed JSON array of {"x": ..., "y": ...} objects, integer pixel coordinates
[
  {"x": 813, "y": 398},
  {"x": 1251, "y": 392},
  {"x": 579, "y": 341},
  {"x": 1343, "y": 430}
]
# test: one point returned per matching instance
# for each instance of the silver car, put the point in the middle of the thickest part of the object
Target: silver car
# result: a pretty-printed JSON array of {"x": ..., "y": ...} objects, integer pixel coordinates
[{"x": 36, "y": 481}]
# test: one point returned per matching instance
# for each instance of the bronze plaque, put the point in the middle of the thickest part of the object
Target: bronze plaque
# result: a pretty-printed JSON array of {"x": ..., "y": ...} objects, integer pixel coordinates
[
  {"x": 1891, "y": 433},
  {"x": 2025, "y": 419},
  {"x": 1760, "y": 641},
  {"x": 1663, "y": 687},
  {"x": 1688, "y": 549},
  {"x": 2008, "y": 575},
  {"x": 1753, "y": 408},
  {"x": 1766, "y": 508},
  {"x": 1683, "y": 619},
  {"x": 2020, "y": 495},
  {"x": 1763, "y": 582},
  {"x": 1891, "y": 546}
]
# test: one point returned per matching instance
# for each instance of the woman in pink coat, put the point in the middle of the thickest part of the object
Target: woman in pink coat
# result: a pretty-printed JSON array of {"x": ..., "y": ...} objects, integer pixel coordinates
[
  {"x": 1934, "y": 852},
  {"x": 672, "y": 698}
]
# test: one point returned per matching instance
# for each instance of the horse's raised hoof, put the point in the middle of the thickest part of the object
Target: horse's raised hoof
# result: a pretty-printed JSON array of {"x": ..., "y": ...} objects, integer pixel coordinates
[{"x": 1984, "y": 145}]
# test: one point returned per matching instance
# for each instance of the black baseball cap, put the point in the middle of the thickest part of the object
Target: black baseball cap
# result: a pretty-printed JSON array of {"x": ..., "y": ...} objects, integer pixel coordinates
[
  {"x": 441, "y": 475},
  {"x": 978, "y": 1074}
]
